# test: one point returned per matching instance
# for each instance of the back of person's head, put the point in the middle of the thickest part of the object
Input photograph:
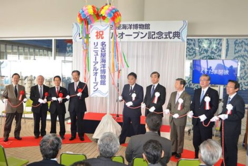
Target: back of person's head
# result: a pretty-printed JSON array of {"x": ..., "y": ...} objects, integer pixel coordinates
[
  {"x": 108, "y": 145},
  {"x": 153, "y": 122},
  {"x": 152, "y": 151},
  {"x": 210, "y": 152},
  {"x": 50, "y": 146},
  {"x": 81, "y": 163}
]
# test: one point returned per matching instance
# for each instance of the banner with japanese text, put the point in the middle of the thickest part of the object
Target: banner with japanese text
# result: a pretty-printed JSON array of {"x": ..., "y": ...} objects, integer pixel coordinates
[
  {"x": 99, "y": 60},
  {"x": 146, "y": 31}
]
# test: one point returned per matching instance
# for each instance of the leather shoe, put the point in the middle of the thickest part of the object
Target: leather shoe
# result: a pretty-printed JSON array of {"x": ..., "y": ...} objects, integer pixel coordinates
[
  {"x": 36, "y": 137},
  {"x": 81, "y": 138},
  {"x": 62, "y": 137},
  {"x": 178, "y": 156},
  {"x": 173, "y": 153},
  {"x": 18, "y": 138},
  {"x": 72, "y": 138},
  {"x": 5, "y": 139}
]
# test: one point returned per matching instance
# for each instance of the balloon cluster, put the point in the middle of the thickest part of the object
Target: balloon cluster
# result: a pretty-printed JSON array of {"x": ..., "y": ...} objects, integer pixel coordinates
[
  {"x": 110, "y": 14},
  {"x": 88, "y": 13}
]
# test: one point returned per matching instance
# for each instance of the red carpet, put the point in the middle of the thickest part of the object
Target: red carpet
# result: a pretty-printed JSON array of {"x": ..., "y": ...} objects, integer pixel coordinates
[
  {"x": 31, "y": 141},
  {"x": 189, "y": 155}
]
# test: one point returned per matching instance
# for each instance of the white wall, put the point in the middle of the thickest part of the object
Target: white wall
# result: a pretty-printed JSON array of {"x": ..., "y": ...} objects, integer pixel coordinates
[{"x": 54, "y": 18}]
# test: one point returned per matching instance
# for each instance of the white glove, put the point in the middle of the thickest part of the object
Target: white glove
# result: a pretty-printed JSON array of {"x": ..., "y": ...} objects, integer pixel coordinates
[
  {"x": 79, "y": 94},
  {"x": 143, "y": 105},
  {"x": 190, "y": 114},
  {"x": 203, "y": 117},
  {"x": 223, "y": 116},
  {"x": 175, "y": 116},
  {"x": 214, "y": 119},
  {"x": 5, "y": 100},
  {"x": 45, "y": 101},
  {"x": 54, "y": 99},
  {"x": 166, "y": 111},
  {"x": 59, "y": 99},
  {"x": 152, "y": 109},
  {"x": 129, "y": 103},
  {"x": 40, "y": 101},
  {"x": 120, "y": 98},
  {"x": 67, "y": 97},
  {"x": 25, "y": 100}
]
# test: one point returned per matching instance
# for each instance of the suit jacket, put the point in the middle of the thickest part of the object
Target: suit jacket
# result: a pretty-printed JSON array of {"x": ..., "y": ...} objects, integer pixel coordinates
[
  {"x": 35, "y": 96},
  {"x": 199, "y": 107},
  {"x": 161, "y": 99},
  {"x": 45, "y": 162},
  {"x": 55, "y": 104},
  {"x": 77, "y": 103},
  {"x": 172, "y": 106},
  {"x": 9, "y": 94},
  {"x": 103, "y": 161},
  {"x": 232, "y": 125},
  {"x": 135, "y": 146},
  {"x": 127, "y": 96}
]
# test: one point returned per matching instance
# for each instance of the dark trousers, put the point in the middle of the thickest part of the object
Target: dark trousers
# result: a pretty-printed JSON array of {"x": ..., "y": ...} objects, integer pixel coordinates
[
  {"x": 125, "y": 126},
  {"x": 8, "y": 124},
  {"x": 61, "y": 123},
  {"x": 77, "y": 118},
  {"x": 230, "y": 149},
  {"x": 40, "y": 117},
  {"x": 200, "y": 134}
]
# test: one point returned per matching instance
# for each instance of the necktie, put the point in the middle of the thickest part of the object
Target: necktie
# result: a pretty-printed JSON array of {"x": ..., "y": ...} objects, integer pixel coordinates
[
  {"x": 177, "y": 97},
  {"x": 75, "y": 86},
  {"x": 202, "y": 95},
  {"x": 15, "y": 91},
  {"x": 57, "y": 90},
  {"x": 229, "y": 99},
  {"x": 152, "y": 90},
  {"x": 41, "y": 92},
  {"x": 130, "y": 88}
]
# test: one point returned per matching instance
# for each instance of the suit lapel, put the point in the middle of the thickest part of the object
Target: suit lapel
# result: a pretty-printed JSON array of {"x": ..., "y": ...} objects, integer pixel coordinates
[{"x": 12, "y": 90}]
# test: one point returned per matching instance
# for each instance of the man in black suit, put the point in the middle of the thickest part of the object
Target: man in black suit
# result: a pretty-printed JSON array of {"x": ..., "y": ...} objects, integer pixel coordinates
[
  {"x": 77, "y": 106},
  {"x": 50, "y": 147},
  {"x": 40, "y": 106},
  {"x": 155, "y": 96},
  {"x": 232, "y": 115},
  {"x": 204, "y": 105},
  {"x": 135, "y": 145},
  {"x": 57, "y": 96},
  {"x": 108, "y": 146},
  {"x": 132, "y": 94}
]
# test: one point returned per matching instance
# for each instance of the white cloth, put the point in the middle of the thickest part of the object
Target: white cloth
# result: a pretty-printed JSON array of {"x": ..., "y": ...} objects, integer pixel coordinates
[
  {"x": 214, "y": 119},
  {"x": 45, "y": 101},
  {"x": 190, "y": 114},
  {"x": 40, "y": 101},
  {"x": 152, "y": 109},
  {"x": 223, "y": 116},
  {"x": 203, "y": 117},
  {"x": 143, "y": 105},
  {"x": 67, "y": 97},
  {"x": 79, "y": 94},
  {"x": 60, "y": 99},
  {"x": 166, "y": 111},
  {"x": 54, "y": 99},
  {"x": 107, "y": 124},
  {"x": 129, "y": 103},
  {"x": 120, "y": 98},
  {"x": 175, "y": 116}
]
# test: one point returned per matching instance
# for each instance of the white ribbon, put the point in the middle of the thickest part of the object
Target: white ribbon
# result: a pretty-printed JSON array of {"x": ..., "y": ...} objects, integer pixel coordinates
[
  {"x": 180, "y": 101},
  {"x": 157, "y": 94},
  {"x": 207, "y": 100},
  {"x": 229, "y": 108},
  {"x": 133, "y": 96}
]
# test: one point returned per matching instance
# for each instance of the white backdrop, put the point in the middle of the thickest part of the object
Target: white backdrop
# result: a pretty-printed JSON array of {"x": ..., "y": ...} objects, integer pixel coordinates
[{"x": 168, "y": 58}]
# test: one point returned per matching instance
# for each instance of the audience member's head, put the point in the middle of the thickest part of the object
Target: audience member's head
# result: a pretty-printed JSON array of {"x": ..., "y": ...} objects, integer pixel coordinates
[
  {"x": 81, "y": 163},
  {"x": 108, "y": 145},
  {"x": 50, "y": 146},
  {"x": 153, "y": 122},
  {"x": 152, "y": 151},
  {"x": 209, "y": 152}
]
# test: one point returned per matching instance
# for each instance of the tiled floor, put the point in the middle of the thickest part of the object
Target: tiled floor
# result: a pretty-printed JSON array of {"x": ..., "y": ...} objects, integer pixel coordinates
[{"x": 90, "y": 149}]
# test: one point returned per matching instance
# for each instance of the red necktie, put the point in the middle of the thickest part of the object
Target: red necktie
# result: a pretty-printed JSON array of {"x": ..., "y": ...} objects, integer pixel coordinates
[{"x": 57, "y": 90}]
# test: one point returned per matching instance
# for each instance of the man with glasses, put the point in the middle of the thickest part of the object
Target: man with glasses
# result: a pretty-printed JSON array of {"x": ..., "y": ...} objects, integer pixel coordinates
[{"x": 204, "y": 105}]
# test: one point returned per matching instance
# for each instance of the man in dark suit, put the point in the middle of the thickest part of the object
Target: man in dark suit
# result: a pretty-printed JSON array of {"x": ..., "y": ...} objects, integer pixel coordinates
[
  {"x": 57, "y": 96},
  {"x": 209, "y": 152},
  {"x": 50, "y": 147},
  {"x": 77, "y": 106},
  {"x": 40, "y": 106},
  {"x": 108, "y": 146},
  {"x": 135, "y": 145},
  {"x": 179, "y": 104},
  {"x": 13, "y": 94},
  {"x": 204, "y": 105},
  {"x": 155, "y": 96},
  {"x": 232, "y": 115},
  {"x": 132, "y": 94}
]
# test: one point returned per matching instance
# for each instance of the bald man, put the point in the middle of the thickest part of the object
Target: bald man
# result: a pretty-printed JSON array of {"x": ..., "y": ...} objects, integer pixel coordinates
[{"x": 40, "y": 106}]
